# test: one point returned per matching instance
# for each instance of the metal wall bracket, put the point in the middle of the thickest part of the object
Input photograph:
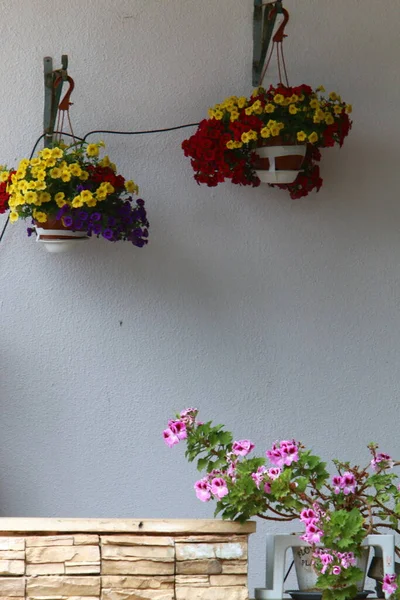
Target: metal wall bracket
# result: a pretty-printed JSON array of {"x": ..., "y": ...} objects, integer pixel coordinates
[
  {"x": 52, "y": 95},
  {"x": 264, "y": 18}
]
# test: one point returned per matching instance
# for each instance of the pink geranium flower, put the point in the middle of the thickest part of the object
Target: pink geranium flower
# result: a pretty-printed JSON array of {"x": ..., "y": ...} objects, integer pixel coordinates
[
  {"x": 219, "y": 487},
  {"x": 178, "y": 428},
  {"x": 242, "y": 447},
  {"x": 202, "y": 488},
  {"x": 170, "y": 438}
]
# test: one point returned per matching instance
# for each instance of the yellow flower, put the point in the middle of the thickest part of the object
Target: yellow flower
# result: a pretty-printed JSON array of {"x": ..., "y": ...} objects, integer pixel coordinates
[
  {"x": 13, "y": 216},
  {"x": 316, "y": 119},
  {"x": 238, "y": 144},
  {"x": 92, "y": 150},
  {"x": 230, "y": 145},
  {"x": 101, "y": 194},
  {"x": 131, "y": 187},
  {"x": 337, "y": 110},
  {"x": 60, "y": 199},
  {"x": 329, "y": 120},
  {"x": 110, "y": 189},
  {"x": 286, "y": 102},
  {"x": 210, "y": 113},
  {"x": 56, "y": 173},
  {"x": 105, "y": 162},
  {"x": 77, "y": 202},
  {"x": 314, "y": 103},
  {"x": 348, "y": 109},
  {"x": 20, "y": 174},
  {"x": 312, "y": 138},
  {"x": 75, "y": 169},
  {"x": 41, "y": 175},
  {"x": 301, "y": 136},
  {"x": 39, "y": 216},
  {"x": 91, "y": 202},
  {"x": 257, "y": 108},
  {"x": 275, "y": 131},
  {"x": 84, "y": 176},
  {"x": 44, "y": 197},
  {"x": 265, "y": 132},
  {"x": 39, "y": 185},
  {"x": 294, "y": 98},
  {"x": 24, "y": 163},
  {"x": 4, "y": 176},
  {"x": 65, "y": 175},
  {"x": 333, "y": 96},
  {"x": 86, "y": 195},
  {"x": 257, "y": 91},
  {"x": 218, "y": 114},
  {"x": 23, "y": 185},
  {"x": 271, "y": 123},
  {"x": 46, "y": 153},
  {"x": 278, "y": 99},
  {"x": 31, "y": 197},
  {"x": 242, "y": 101},
  {"x": 57, "y": 153},
  {"x": 320, "y": 88},
  {"x": 249, "y": 111},
  {"x": 320, "y": 114},
  {"x": 269, "y": 108},
  {"x": 234, "y": 116},
  {"x": 245, "y": 138},
  {"x": 35, "y": 162},
  {"x": 50, "y": 162},
  {"x": 292, "y": 109}
]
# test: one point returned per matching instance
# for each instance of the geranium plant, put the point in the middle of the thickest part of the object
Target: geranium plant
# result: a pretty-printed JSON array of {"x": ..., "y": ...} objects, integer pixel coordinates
[
  {"x": 224, "y": 145},
  {"x": 73, "y": 185},
  {"x": 291, "y": 483}
]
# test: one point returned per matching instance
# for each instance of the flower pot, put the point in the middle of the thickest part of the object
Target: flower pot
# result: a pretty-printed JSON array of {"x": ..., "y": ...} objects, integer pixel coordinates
[
  {"x": 278, "y": 161},
  {"x": 56, "y": 237},
  {"x": 306, "y": 575}
]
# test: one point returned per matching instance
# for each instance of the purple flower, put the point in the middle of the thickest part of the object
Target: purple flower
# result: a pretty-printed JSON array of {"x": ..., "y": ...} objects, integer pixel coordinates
[
  {"x": 30, "y": 230},
  {"x": 108, "y": 234},
  {"x": 67, "y": 221},
  {"x": 83, "y": 215},
  {"x": 96, "y": 216},
  {"x": 242, "y": 447}
]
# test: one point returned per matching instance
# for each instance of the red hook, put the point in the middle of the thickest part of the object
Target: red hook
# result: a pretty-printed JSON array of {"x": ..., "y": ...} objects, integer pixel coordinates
[
  {"x": 65, "y": 102},
  {"x": 279, "y": 35}
]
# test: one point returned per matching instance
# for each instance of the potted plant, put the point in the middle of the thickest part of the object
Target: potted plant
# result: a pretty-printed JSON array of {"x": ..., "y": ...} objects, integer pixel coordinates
[
  {"x": 268, "y": 138},
  {"x": 290, "y": 483},
  {"x": 69, "y": 192}
]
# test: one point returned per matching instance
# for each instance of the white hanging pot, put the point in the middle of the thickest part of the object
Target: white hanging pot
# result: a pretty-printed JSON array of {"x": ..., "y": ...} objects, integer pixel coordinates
[
  {"x": 57, "y": 238},
  {"x": 279, "y": 164}
]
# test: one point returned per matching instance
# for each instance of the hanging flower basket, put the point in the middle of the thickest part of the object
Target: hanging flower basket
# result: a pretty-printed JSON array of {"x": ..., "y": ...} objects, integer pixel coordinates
[
  {"x": 70, "y": 195},
  {"x": 272, "y": 137}
]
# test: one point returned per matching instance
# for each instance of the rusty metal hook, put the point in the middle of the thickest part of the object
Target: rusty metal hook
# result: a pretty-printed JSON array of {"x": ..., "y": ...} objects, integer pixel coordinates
[
  {"x": 65, "y": 102},
  {"x": 279, "y": 35}
]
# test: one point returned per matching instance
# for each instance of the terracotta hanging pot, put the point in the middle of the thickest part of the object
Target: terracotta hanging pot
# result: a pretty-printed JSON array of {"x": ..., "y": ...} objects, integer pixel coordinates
[
  {"x": 56, "y": 236},
  {"x": 279, "y": 161}
]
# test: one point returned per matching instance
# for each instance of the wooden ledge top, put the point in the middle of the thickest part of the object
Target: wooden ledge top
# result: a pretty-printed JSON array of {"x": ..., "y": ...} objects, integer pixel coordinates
[{"x": 154, "y": 526}]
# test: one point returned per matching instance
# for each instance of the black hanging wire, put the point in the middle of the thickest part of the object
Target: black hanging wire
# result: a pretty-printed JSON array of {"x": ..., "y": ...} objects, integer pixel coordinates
[{"x": 109, "y": 131}]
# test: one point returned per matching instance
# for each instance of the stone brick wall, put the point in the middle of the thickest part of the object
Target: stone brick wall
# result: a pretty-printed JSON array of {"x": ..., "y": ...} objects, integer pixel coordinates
[{"x": 124, "y": 566}]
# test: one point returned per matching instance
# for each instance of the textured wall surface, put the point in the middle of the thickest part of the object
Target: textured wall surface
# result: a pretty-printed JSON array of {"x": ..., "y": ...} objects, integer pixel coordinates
[{"x": 276, "y": 317}]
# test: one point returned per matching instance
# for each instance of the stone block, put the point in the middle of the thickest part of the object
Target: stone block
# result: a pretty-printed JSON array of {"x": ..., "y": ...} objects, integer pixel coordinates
[
  {"x": 53, "y": 586},
  {"x": 108, "y": 594},
  {"x": 12, "y": 586},
  {"x": 192, "y": 580},
  {"x": 45, "y": 569},
  {"x": 54, "y": 554},
  {"x": 62, "y": 540},
  {"x": 226, "y": 551},
  {"x": 87, "y": 568},
  {"x": 238, "y": 567},
  {"x": 136, "y": 540},
  {"x": 137, "y": 567},
  {"x": 12, "y": 543},
  {"x": 211, "y": 593},
  {"x": 134, "y": 552},
  {"x": 12, "y": 567},
  {"x": 228, "y": 580},
  {"x": 137, "y": 582},
  {"x": 198, "y": 567}
]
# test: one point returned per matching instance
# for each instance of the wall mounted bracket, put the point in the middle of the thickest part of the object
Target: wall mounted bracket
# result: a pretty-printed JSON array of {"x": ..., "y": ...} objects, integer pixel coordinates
[
  {"x": 52, "y": 94},
  {"x": 264, "y": 18}
]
